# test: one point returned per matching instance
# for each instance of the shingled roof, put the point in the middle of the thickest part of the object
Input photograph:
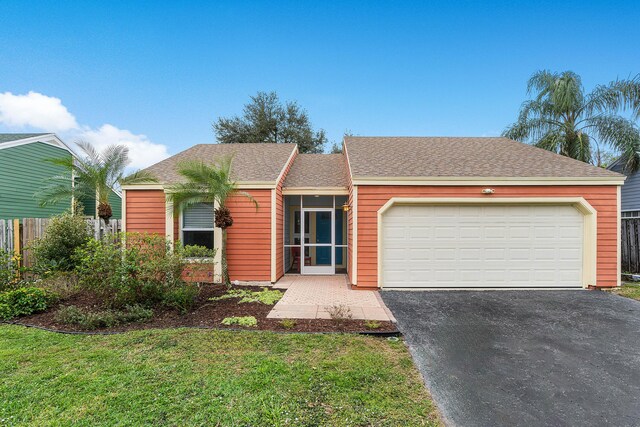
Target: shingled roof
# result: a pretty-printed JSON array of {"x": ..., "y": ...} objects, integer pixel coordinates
[
  {"x": 252, "y": 163},
  {"x": 318, "y": 170},
  {"x": 10, "y": 137},
  {"x": 431, "y": 157}
]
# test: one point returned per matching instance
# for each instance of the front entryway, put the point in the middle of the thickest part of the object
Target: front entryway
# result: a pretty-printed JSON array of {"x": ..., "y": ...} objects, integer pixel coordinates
[
  {"x": 315, "y": 235},
  {"x": 318, "y": 247},
  {"x": 313, "y": 297}
]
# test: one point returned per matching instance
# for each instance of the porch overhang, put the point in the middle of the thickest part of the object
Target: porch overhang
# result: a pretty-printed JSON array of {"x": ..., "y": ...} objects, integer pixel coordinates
[{"x": 312, "y": 191}]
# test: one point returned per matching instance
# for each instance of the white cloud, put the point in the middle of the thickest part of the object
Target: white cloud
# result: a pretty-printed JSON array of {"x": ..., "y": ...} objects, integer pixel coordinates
[
  {"x": 142, "y": 151},
  {"x": 35, "y": 110}
]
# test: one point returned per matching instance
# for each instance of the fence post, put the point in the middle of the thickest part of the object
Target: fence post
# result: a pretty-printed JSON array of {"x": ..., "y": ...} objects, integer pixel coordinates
[{"x": 16, "y": 236}]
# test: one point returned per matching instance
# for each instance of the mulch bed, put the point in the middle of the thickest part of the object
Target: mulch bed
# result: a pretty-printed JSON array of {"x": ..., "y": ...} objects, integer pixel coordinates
[{"x": 205, "y": 314}]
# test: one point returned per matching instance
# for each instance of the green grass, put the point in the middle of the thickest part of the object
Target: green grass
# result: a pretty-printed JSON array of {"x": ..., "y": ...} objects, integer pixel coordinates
[
  {"x": 629, "y": 291},
  {"x": 198, "y": 377}
]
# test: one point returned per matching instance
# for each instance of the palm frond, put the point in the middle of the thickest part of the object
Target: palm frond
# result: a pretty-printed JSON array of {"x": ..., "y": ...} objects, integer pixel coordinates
[
  {"x": 95, "y": 174},
  {"x": 248, "y": 196},
  {"x": 617, "y": 95},
  {"x": 138, "y": 177},
  {"x": 618, "y": 132},
  {"x": 92, "y": 155},
  {"x": 59, "y": 189},
  {"x": 531, "y": 130},
  {"x": 542, "y": 82},
  {"x": 115, "y": 158},
  {"x": 577, "y": 145},
  {"x": 552, "y": 141}
]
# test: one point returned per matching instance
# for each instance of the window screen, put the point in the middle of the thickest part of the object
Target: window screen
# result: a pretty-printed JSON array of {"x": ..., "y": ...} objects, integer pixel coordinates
[
  {"x": 197, "y": 225},
  {"x": 198, "y": 216}
]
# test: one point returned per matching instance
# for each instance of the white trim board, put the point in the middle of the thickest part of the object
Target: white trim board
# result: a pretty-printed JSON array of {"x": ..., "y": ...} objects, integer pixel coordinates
[
  {"x": 49, "y": 139},
  {"x": 312, "y": 191},
  {"x": 486, "y": 181}
]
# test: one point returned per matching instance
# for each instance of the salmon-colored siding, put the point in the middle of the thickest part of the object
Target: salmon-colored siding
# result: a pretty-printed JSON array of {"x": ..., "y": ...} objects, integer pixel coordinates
[
  {"x": 146, "y": 211},
  {"x": 249, "y": 238},
  {"x": 350, "y": 235},
  {"x": 602, "y": 198},
  {"x": 280, "y": 221}
]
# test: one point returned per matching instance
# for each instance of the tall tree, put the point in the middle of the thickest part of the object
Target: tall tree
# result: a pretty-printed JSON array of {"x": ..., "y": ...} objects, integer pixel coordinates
[
  {"x": 209, "y": 183},
  {"x": 564, "y": 119},
  {"x": 95, "y": 174},
  {"x": 267, "y": 119}
]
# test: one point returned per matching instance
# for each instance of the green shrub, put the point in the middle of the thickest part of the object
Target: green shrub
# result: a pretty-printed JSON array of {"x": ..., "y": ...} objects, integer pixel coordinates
[
  {"x": 372, "y": 324},
  {"x": 339, "y": 313},
  {"x": 288, "y": 323},
  {"x": 63, "y": 236},
  {"x": 131, "y": 268},
  {"x": 86, "y": 319},
  {"x": 265, "y": 296},
  {"x": 181, "y": 298},
  {"x": 240, "y": 321},
  {"x": 9, "y": 270},
  {"x": 23, "y": 301},
  {"x": 196, "y": 251},
  {"x": 62, "y": 283}
]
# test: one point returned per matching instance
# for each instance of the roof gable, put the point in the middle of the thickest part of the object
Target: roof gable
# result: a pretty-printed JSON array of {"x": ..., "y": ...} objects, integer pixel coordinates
[
  {"x": 252, "y": 163},
  {"x": 9, "y": 137},
  {"x": 9, "y": 140},
  {"x": 317, "y": 171}
]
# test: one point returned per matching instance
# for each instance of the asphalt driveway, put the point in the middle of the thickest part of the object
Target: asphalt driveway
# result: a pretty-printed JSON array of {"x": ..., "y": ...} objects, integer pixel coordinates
[{"x": 525, "y": 357}]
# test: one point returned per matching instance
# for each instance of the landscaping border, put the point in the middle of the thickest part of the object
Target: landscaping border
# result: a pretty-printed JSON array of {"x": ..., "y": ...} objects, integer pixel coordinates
[{"x": 379, "y": 334}]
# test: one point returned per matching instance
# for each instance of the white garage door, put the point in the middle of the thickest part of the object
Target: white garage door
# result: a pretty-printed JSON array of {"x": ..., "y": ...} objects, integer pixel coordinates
[{"x": 482, "y": 246}]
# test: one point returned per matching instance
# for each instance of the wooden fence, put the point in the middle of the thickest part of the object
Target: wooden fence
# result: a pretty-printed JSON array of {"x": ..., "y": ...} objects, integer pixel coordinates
[
  {"x": 18, "y": 235},
  {"x": 630, "y": 242}
]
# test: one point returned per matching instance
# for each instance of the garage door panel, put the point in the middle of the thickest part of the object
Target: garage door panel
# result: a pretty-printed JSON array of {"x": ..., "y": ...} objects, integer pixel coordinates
[{"x": 482, "y": 246}]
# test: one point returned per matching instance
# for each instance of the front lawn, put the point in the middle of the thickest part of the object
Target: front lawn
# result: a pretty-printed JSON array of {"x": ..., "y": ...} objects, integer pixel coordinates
[
  {"x": 202, "y": 377},
  {"x": 628, "y": 290}
]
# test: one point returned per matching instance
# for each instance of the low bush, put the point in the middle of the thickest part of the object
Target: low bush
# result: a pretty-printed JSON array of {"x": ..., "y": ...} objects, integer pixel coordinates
[
  {"x": 339, "y": 312},
  {"x": 372, "y": 324},
  {"x": 24, "y": 301},
  {"x": 288, "y": 323},
  {"x": 62, "y": 283},
  {"x": 240, "y": 321},
  {"x": 63, "y": 236},
  {"x": 87, "y": 319},
  {"x": 265, "y": 296},
  {"x": 132, "y": 268},
  {"x": 9, "y": 270},
  {"x": 182, "y": 298},
  {"x": 196, "y": 251}
]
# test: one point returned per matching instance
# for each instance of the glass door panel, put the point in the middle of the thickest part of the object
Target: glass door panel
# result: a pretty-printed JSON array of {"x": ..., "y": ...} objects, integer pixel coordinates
[{"x": 318, "y": 248}]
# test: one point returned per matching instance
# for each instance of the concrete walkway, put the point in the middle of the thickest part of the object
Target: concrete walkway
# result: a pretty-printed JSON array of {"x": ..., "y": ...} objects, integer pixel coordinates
[{"x": 312, "y": 297}]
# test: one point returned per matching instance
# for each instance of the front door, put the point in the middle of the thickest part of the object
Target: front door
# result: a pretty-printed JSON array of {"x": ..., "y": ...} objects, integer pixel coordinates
[{"x": 318, "y": 250}]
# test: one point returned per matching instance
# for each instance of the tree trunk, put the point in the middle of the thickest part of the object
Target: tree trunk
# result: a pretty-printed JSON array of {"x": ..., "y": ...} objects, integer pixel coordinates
[{"x": 223, "y": 259}]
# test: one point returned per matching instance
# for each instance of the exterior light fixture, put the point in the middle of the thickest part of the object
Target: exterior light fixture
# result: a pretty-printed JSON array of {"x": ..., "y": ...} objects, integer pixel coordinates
[
  {"x": 345, "y": 207},
  {"x": 488, "y": 191}
]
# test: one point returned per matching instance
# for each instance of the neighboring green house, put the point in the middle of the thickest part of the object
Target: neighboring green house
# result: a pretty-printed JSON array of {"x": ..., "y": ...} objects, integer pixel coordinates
[{"x": 24, "y": 170}]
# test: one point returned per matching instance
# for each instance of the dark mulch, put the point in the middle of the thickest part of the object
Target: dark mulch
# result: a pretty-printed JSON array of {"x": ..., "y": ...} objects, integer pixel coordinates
[{"x": 205, "y": 314}]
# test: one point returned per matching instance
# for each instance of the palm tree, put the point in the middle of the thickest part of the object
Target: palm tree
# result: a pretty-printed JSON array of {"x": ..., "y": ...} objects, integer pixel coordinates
[
  {"x": 95, "y": 174},
  {"x": 206, "y": 183},
  {"x": 563, "y": 119}
]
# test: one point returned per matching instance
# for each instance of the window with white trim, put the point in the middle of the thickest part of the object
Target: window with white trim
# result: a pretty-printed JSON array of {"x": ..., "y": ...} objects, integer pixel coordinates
[{"x": 197, "y": 225}]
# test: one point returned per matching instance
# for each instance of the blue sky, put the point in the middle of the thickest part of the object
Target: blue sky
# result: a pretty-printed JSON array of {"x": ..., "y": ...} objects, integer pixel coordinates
[{"x": 162, "y": 72}]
